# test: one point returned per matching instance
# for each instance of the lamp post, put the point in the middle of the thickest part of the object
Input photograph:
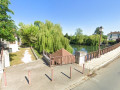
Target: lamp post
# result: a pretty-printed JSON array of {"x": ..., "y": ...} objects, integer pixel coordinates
[{"x": 100, "y": 29}]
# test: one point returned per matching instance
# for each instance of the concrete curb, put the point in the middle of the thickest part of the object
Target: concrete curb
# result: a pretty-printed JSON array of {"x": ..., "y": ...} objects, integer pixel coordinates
[{"x": 81, "y": 80}]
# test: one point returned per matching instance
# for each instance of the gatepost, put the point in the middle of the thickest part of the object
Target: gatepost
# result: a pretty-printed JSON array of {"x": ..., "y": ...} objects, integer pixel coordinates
[{"x": 80, "y": 57}]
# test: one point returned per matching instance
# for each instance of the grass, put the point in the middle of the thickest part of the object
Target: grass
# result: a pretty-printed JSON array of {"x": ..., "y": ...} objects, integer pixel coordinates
[{"x": 15, "y": 58}]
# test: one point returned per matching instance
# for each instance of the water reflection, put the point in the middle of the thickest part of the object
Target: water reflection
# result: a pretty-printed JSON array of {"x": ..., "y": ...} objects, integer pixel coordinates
[{"x": 85, "y": 48}]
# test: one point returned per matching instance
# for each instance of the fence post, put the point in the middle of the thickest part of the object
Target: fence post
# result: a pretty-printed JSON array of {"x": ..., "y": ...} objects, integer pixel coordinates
[
  {"x": 53, "y": 62},
  {"x": 5, "y": 80},
  {"x": 61, "y": 60},
  {"x": 51, "y": 74},
  {"x": 83, "y": 68},
  {"x": 50, "y": 60},
  {"x": 70, "y": 72},
  {"x": 89, "y": 57},
  {"x": 29, "y": 77},
  {"x": 1, "y": 52},
  {"x": 85, "y": 58}
]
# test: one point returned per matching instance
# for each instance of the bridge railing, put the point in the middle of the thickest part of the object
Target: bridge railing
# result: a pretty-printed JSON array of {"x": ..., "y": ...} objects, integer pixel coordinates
[{"x": 94, "y": 54}]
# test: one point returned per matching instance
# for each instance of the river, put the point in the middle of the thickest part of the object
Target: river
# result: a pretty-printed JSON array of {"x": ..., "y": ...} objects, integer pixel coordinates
[{"x": 85, "y": 48}]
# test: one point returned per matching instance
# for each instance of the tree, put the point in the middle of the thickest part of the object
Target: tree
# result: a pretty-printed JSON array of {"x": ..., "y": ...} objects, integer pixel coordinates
[
  {"x": 67, "y": 36},
  {"x": 85, "y": 39},
  {"x": 79, "y": 36},
  {"x": 97, "y": 31},
  {"x": 7, "y": 26},
  {"x": 28, "y": 34},
  {"x": 44, "y": 36}
]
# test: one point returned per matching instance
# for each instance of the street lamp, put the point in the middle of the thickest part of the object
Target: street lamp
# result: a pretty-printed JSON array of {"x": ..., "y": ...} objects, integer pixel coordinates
[{"x": 100, "y": 29}]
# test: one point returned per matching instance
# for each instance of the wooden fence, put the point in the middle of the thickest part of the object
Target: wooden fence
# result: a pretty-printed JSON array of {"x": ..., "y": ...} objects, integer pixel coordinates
[
  {"x": 60, "y": 60},
  {"x": 94, "y": 54}
]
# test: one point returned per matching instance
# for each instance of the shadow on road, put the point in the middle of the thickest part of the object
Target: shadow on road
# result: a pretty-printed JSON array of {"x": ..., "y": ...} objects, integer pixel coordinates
[
  {"x": 27, "y": 79},
  {"x": 78, "y": 71},
  {"x": 48, "y": 77},
  {"x": 65, "y": 75}
]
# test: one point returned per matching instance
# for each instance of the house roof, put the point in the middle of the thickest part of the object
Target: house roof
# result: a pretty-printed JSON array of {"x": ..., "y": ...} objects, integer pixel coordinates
[
  {"x": 61, "y": 52},
  {"x": 114, "y": 32}
]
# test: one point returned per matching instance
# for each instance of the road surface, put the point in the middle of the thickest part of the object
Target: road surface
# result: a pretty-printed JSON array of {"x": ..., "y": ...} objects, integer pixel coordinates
[{"x": 108, "y": 78}]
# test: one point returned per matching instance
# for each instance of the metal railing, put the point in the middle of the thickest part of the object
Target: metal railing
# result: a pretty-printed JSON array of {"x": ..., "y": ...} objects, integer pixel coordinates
[{"x": 94, "y": 54}]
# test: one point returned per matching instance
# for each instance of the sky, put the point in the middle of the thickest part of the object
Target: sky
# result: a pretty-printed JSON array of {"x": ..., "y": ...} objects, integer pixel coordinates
[{"x": 70, "y": 14}]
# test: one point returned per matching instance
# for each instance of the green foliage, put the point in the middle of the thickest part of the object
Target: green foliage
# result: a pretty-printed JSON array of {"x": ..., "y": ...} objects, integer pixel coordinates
[
  {"x": 28, "y": 34},
  {"x": 112, "y": 42},
  {"x": 105, "y": 41},
  {"x": 94, "y": 39},
  {"x": 79, "y": 36},
  {"x": 44, "y": 36},
  {"x": 67, "y": 36},
  {"x": 118, "y": 40},
  {"x": 7, "y": 26},
  {"x": 79, "y": 39},
  {"x": 97, "y": 31},
  {"x": 104, "y": 36}
]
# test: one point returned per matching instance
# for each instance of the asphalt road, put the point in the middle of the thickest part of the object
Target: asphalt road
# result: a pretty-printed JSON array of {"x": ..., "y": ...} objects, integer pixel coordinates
[{"x": 107, "y": 78}]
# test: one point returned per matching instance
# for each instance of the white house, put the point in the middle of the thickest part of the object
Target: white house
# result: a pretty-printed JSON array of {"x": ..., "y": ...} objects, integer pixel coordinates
[
  {"x": 113, "y": 35},
  {"x": 13, "y": 46}
]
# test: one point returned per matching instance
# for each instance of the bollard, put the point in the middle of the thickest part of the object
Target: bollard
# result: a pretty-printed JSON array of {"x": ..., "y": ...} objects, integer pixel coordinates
[
  {"x": 51, "y": 74},
  {"x": 83, "y": 68},
  {"x": 70, "y": 72},
  {"x": 29, "y": 77},
  {"x": 50, "y": 60},
  {"x": 5, "y": 80},
  {"x": 85, "y": 58}
]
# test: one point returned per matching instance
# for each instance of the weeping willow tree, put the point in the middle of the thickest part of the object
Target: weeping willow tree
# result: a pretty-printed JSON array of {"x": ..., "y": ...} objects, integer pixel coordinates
[{"x": 44, "y": 36}]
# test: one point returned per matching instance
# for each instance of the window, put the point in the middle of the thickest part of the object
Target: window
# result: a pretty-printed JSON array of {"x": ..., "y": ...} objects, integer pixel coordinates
[
  {"x": 118, "y": 35},
  {"x": 111, "y": 36}
]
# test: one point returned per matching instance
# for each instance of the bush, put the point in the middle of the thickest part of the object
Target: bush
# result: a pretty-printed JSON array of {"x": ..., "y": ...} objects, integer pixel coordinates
[
  {"x": 105, "y": 41},
  {"x": 112, "y": 42},
  {"x": 118, "y": 40}
]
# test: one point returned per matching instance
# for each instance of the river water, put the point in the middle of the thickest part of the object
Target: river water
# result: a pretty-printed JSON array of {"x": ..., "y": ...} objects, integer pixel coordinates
[{"x": 85, "y": 48}]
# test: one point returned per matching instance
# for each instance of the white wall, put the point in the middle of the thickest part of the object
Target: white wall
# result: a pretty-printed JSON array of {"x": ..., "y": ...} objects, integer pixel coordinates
[
  {"x": 6, "y": 58},
  {"x": 114, "y": 37},
  {"x": 14, "y": 46}
]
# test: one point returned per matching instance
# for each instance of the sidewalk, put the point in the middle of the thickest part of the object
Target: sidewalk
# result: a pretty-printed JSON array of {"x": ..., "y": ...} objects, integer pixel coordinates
[
  {"x": 41, "y": 76},
  {"x": 96, "y": 63}
]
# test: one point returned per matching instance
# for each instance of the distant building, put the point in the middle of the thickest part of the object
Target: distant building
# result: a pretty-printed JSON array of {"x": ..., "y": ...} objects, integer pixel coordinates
[{"x": 113, "y": 35}]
